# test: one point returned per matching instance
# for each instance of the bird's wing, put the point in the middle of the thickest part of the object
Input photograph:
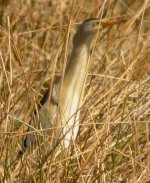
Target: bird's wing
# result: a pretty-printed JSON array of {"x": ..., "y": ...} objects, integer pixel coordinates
[{"x": 44, "y": 118}]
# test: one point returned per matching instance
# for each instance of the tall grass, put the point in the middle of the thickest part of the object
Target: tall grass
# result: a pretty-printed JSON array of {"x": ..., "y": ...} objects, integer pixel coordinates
[{"x": 113, "y": 143}]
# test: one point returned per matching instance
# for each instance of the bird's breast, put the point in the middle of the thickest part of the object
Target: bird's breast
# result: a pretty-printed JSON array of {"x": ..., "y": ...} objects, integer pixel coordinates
[{"x": 72, "y": 94}]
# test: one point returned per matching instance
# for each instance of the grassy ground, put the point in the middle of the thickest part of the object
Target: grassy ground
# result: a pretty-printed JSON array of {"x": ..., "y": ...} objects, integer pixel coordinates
[{"x": 113, "y": 144}]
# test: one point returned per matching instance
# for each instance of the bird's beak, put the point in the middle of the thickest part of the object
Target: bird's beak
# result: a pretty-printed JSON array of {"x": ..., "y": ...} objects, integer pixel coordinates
[
  {"x": 111, "y": 22},
  {"x": 108, "y": 23}
]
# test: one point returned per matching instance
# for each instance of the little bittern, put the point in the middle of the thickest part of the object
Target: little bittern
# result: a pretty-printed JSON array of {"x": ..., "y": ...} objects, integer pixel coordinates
[{"x": 59, "y": 118}]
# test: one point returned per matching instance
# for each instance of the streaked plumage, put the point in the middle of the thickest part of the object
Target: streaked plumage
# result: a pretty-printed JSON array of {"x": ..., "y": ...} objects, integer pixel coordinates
[{"x": 62, "y": 113}]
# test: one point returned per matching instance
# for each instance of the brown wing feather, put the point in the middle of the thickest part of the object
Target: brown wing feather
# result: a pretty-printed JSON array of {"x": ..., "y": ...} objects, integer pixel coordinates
[{"x": 44, "y": 110}]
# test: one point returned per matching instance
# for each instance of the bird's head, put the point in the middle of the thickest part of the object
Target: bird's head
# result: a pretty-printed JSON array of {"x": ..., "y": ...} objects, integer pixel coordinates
[{"x": 88, "y": 29}]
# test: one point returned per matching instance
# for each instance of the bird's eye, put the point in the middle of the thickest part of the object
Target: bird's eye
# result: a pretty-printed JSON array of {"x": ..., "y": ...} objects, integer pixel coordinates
[{"x": 95, "y": 24}]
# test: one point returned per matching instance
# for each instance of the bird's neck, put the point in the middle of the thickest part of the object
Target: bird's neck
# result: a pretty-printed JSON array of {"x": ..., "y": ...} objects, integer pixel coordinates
[
  {"x": 72, "y": 91},
  {"x": 78, "y": 61}
]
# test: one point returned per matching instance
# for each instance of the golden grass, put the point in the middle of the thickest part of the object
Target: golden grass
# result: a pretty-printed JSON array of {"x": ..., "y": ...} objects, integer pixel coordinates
[{"x": 114, "y": 140}]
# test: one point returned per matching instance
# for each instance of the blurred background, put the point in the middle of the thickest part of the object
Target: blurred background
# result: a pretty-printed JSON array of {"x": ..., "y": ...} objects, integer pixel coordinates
[{"x": 35, "y": 42}]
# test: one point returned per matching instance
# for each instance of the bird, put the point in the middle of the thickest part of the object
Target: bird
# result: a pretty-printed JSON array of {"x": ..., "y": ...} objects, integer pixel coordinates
[{"x": 58, "y": 116}]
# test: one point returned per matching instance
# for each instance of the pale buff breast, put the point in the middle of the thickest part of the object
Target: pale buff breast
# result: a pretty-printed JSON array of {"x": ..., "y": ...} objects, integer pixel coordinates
[{"x": 71, "y": 99}]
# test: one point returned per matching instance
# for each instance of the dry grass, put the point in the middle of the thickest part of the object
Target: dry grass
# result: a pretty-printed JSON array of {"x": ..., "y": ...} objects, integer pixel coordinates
[{"x": 113, "y": 144}]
